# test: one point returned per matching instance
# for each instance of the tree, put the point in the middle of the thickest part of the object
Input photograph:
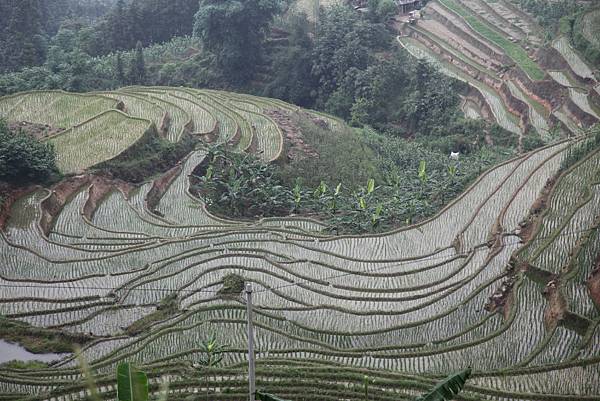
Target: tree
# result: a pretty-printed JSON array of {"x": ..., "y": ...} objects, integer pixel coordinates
[
  {"x": 137, "y": 72},
  {"x": 23, "y": 159},
  {"x": 234, "y": 32},
  {"x": 118, "y": 28},
  {"x": 292, "y": 78},
  {"x": 119, "y": 71},
  {"x": 22, "y": 38}
]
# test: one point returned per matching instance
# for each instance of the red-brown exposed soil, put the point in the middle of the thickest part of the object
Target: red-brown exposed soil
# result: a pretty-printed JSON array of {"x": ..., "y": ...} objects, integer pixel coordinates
[
  {"x": 59, "y": 196},
  {"x": 160, "y": 186},
  {"x": 556, "y": 307},
  {"x": 100, "y": 187},
  {"x": 529, "y": 226},
  {"x": 593, "y": 283},
  {"x": 38, "y": 131}
]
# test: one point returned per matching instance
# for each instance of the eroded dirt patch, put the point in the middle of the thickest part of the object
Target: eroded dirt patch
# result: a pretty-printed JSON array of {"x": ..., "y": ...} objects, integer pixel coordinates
[
  {"x": 38, "y": 131},
  {"x": 295, "y": 144},
  {"x": 593, "y": 283}
]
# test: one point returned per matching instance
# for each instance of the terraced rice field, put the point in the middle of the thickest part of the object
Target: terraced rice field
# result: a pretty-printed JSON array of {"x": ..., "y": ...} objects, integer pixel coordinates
[
  {"x": 575, "y": 61},
  {"x": 502, "y": 115},
  {"x": 94, "y": 128},
  {"x": 404, "y": 307},
  {"x": 513, "y": 50},
  {"x": 493, "y": 46}
]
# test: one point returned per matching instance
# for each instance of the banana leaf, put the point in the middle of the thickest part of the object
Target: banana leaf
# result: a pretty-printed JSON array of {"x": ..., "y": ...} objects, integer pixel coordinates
[
  {"x": 448, "y": 388},
  {"x": 132, "y": 384},
  {"x": 267, "y": 397}
]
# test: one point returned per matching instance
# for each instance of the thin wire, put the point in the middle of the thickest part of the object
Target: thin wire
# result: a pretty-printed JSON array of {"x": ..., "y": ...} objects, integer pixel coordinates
[{"x": 42, "y": 286}]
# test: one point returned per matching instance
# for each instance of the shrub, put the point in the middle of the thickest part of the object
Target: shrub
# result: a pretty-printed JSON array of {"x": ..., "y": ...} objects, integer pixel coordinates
[{"x": 24, "y": 159}]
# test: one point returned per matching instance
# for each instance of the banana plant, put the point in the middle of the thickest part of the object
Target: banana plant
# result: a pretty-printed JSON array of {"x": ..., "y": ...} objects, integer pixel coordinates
[
  {"x": 452, "y": 169},
  {"x": 376, "y": 215},
  {"x": 449, "y": 388},
  {"x": 423, "y": 171},
  {"x": 132, "y": 384},
  {"x": 333, "y": 202},
  {"x": 370, "y": 186},
  {"x": 320, "y": 190},
  {"x": 297, "y": 192},
  {"x": 212, "y": 356}
]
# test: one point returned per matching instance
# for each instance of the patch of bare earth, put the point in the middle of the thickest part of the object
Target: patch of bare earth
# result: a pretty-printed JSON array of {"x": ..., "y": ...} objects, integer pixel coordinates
[
  {"x": 296, "y": 146},
  {"x": 530, "y": 224},
  {"x": 38, "y": 131},
  {"x": 593, "y": 283},
  {"x": 159, "y": 187},
  {"x": 556, "y": 307}
]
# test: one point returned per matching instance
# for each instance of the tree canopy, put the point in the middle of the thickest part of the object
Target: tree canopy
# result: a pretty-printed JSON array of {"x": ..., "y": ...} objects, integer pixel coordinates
[
  {"x": 23, "y": 159},
  {"x": 233, "y": 31}
]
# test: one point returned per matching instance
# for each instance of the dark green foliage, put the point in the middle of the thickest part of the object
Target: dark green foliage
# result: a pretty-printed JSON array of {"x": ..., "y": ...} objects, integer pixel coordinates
[
  {"x": 577, "y": 151},
  {"x": 145, "y": 21},
  {"x": 574, "y": 30},
  {"x": 240, "y": 185},
  {"x": 25, "y": 160},
  {"x": 22, "y": 40},
  {"x": 233, "y": 285},
  {"x": 119, "y": 70},
  {"x": 416, "y": 182},
  {"x": 531, "y": 141},
  {"x": 449, "y": 388},
  {"x": 234, "y": 31},
  {"x": 151, "y": 157},
  {"x": 549, "y": 13},
  {"x": 344, "y": 46},
  {"x": 137, "y": 70},
  {"x": 292, "y": 66}
]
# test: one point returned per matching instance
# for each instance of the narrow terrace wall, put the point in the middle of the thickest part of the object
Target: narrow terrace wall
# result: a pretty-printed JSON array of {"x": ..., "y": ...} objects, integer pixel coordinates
[
  {"x": 475, "y": 96},
  {"x": 461, "y": 65},
  {"x": 60, "y": 194},
  {"x": 586, "y": 119},
  {"x": 515, "y": 105},
  {"x": 547, "y": 92},
  {"x": 550, "y": 59}
]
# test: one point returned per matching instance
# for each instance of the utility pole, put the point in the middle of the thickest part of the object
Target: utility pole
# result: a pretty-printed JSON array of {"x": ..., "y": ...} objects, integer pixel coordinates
[{"x": 251, "y": 374}]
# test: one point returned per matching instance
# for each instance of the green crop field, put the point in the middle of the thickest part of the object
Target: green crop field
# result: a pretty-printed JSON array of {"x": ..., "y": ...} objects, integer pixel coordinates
[{"x": 403, "y": 308}]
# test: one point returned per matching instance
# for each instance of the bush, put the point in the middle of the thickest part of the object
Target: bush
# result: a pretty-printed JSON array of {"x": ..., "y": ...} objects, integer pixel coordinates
[{"x": 24, "y": 159}]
